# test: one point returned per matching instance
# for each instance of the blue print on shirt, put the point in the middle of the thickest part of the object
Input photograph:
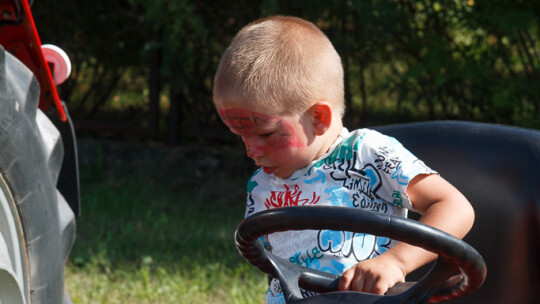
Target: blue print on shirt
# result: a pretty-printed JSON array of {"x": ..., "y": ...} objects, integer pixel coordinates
[
  {"x": 339, "y": 196},
  {"x": 320, "y": 177},
  {"x": 383, "y": 244},
  {"x": 374, "y": 178},
  {"x": 278, "y": 299},
  {"x": 345, "y": 243},
  {"x": 363, "y": 246},
  {"x": 401, "y": 178},
  {"x": 332, "y": 241},
  {"x": 309, "y": 259},
  {"x": 337, "y": 267}
]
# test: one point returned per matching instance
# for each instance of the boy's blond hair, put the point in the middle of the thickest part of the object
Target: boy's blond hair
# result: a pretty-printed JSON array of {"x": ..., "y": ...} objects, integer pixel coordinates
[{"x": 279, "y": 65}]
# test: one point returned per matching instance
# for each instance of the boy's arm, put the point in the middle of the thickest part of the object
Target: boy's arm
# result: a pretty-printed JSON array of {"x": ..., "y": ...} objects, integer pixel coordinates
[{"x": 441, "y": 206}]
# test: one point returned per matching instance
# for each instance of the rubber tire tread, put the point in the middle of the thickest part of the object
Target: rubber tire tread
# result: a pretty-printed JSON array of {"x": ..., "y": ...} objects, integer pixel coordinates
[{"x": 29, "y": 161}]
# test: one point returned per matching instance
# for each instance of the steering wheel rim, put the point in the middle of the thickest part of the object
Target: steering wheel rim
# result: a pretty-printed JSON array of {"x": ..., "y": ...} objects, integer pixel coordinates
[{"x": 455, "y": 256}]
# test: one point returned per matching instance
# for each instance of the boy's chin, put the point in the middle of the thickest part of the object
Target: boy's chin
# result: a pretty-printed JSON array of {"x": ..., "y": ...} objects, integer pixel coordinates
[
  {"x": 269, "y": 170},
  {"x": 276, "y": 172}
]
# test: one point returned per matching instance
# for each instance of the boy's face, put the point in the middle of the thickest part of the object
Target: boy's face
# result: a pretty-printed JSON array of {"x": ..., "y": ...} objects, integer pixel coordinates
[{"x": 280, "y": 145}]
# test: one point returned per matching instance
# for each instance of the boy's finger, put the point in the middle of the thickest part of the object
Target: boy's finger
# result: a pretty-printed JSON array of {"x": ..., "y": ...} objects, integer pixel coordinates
[
  {"x": 345, "y": 281},
  {"x": 378, "y": 287},
  {"x": 359, "y": 283},
  {"x": 369, "y": 285}
]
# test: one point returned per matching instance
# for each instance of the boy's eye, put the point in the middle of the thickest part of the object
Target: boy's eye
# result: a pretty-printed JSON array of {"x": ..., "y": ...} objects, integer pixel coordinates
[{"x": 266, "y": 134}]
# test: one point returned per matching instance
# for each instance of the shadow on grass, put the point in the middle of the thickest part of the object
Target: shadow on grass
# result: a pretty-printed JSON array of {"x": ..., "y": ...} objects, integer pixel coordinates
[{"x": 159, "y": 210}]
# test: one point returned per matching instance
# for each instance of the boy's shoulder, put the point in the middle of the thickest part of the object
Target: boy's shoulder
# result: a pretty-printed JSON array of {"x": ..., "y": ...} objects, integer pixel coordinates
[{"x": 353, "y": 139}]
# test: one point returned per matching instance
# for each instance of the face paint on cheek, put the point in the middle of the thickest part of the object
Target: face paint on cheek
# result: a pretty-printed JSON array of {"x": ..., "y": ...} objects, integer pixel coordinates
[
  {"x": 286, "y": 137},
  {"x": 223, "y": 115},
  {"x": 242, "y": 122}
]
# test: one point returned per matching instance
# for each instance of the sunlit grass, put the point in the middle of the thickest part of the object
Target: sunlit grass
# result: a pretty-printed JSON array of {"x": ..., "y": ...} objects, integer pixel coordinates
[{"x": 212, "y": 283}]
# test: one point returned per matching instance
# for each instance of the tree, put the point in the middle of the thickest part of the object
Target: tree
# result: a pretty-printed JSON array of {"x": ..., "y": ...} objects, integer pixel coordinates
[{"x": 404, "y": 60}]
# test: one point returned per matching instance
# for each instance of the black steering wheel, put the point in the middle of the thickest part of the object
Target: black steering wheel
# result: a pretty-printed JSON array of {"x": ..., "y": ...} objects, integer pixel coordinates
[{"x": 458, "y": 271}]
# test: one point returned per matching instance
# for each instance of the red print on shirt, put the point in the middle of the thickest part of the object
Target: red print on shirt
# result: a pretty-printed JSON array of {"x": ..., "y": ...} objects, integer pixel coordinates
[{"x": 289, "y": 197}]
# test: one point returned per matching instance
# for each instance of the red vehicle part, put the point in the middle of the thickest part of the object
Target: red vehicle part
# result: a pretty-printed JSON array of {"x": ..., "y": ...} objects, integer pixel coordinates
[{"x": 19, "y": 36}]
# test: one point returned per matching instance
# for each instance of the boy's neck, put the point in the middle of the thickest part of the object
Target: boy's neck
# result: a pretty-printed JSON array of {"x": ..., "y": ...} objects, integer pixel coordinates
[{"x": 329, "y": 137}]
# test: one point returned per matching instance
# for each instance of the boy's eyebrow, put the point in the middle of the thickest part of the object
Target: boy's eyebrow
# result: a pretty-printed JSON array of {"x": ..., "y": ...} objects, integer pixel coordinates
[{"x": 241, "y": 119}]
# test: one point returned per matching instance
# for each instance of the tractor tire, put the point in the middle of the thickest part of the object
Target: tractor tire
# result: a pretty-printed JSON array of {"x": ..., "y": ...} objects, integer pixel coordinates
[{"x": 37, "y": 226}]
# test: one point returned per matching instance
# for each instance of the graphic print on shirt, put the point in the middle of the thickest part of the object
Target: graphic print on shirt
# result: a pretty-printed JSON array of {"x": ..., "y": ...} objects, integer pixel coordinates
[
  {"x": 250, "y": 207},
  {"x": 362, "y": 185},
  {"x": 290, "y": 197},
  {"x": 308, "y": 258},
  {"x": 366, "y": 170}
]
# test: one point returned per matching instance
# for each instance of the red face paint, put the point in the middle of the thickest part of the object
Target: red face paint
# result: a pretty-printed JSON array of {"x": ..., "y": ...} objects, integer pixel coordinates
[
  {"x": 239, "y": 120},
  {"x": 277, "y": 144},
  {"x": 280, "y": 133}
]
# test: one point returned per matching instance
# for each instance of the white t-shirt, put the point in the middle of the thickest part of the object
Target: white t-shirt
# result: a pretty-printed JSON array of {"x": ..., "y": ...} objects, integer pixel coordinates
[{"x": 363, "y": 169}]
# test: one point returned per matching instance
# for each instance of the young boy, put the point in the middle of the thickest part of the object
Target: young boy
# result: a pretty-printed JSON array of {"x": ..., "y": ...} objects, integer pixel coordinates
[{"x": 279, "y": 86}]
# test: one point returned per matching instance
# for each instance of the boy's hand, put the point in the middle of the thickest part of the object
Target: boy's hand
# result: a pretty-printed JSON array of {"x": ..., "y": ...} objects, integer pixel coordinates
[
  {"x": 375, "y": 275},
  {"x": 443, "y": 207}
]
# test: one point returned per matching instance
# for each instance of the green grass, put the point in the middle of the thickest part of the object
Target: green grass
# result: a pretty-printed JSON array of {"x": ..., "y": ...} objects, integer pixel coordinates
[{"x": 157, "y": 236}]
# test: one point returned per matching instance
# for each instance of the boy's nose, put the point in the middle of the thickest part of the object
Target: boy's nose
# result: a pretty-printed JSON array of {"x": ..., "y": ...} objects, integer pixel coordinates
[
  {"x": 253, "y": 153},
  {"x": 252, "y": 149}
]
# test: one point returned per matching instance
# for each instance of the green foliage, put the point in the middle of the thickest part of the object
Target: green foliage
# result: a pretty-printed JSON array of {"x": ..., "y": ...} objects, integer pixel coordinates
[
  {"x": 102, "y": 39},
  {"x": 447, "y": 59}
]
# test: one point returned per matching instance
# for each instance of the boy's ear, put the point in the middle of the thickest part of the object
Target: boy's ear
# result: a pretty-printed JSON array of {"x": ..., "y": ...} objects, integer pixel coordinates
[{"x": 322, "y": 117}]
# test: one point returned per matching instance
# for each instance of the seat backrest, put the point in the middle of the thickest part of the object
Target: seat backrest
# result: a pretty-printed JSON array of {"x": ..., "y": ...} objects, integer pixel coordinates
[{"x": 498, "y": 169}]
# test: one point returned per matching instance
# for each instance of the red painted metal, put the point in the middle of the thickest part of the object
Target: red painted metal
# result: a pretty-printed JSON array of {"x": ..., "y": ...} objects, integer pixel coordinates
[{"x": 21, "y": 39}]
